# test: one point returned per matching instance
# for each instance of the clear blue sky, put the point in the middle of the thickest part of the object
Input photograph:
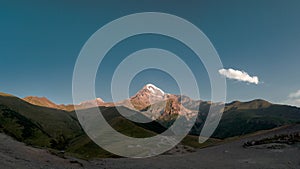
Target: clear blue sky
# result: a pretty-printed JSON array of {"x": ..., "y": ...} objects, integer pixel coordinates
[{"x": 40, "y": 41}]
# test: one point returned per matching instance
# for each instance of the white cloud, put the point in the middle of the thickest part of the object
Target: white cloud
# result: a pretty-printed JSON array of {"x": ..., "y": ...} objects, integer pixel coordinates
[
  {"x": 294, "y": 99},
  {"x": 239, "y": 75},
  {"x": 295, "y": 102},
  {"x": 295, "y": 94}
]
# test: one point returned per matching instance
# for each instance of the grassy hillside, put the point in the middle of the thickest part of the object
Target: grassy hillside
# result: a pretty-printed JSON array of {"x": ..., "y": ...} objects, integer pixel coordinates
[
  {"x": 21, "y": 128},
  {"x": 240, "y": 118},
  {"x": 84, "y": 147},
  {"x": 36, "y": 125},
  {"x": 248, "y": 117},
  {"x": 60, "y": 130}
]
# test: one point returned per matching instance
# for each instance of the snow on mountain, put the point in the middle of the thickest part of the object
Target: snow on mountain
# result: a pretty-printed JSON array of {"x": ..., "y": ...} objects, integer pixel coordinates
[
  {"x": 155, "y": 90},
  {"x": 148, "y": 95}
]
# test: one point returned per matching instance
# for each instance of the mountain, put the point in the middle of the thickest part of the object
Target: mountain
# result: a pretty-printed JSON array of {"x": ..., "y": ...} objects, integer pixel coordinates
[
  {"x": 148, "y": 95},
  {"x": 156, "y": 104},
  {"x": 36, "y": 125},
  {"x": 44, "y": 102},
  {"x": 143, "y": 99},
  {"x": 60, "y": 130},
  {"x": 91, "y": 103},
  {"x": 46, "y": 124},
  {"x": 254, "y": 104},
  {"x": 239, "y": 118},
  {"x": 40, "y": 101}
]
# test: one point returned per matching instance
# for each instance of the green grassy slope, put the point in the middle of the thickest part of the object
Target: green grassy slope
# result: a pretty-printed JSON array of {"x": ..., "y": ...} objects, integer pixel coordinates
[
  {"x": 52, "y": 121},
  {"x": 254, "y": 116},
  {"x": 21, "y": 128},
  {"x": 60, "y": 130},
  {"x": 36, "y": 125},
  {"x": 84, "y": 147}
]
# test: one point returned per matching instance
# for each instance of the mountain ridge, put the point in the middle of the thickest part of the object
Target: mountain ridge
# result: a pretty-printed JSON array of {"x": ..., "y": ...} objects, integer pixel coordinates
[
  {"x": 148, "y": 95},
  {"x": 61, "y": 130}
]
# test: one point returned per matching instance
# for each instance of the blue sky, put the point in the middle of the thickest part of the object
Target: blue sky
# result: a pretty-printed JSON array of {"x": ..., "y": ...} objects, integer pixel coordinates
[{"x": 40, "y": 41}]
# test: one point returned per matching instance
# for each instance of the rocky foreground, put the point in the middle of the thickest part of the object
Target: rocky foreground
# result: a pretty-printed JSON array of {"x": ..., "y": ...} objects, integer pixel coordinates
[{"x": 229, "y": 155}]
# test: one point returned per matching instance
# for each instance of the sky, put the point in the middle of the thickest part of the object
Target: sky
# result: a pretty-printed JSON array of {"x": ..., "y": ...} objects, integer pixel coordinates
[{"x": 257, "y": 41}]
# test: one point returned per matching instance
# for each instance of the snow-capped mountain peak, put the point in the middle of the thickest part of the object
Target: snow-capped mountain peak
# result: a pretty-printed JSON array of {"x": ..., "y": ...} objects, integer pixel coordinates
[
  {"x": 155, "y": 90},
  {"x": 148, "y": 95}
]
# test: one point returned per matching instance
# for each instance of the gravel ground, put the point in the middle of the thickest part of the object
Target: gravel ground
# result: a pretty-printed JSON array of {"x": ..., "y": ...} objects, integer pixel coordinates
[{"x": 231, "y": 155}]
